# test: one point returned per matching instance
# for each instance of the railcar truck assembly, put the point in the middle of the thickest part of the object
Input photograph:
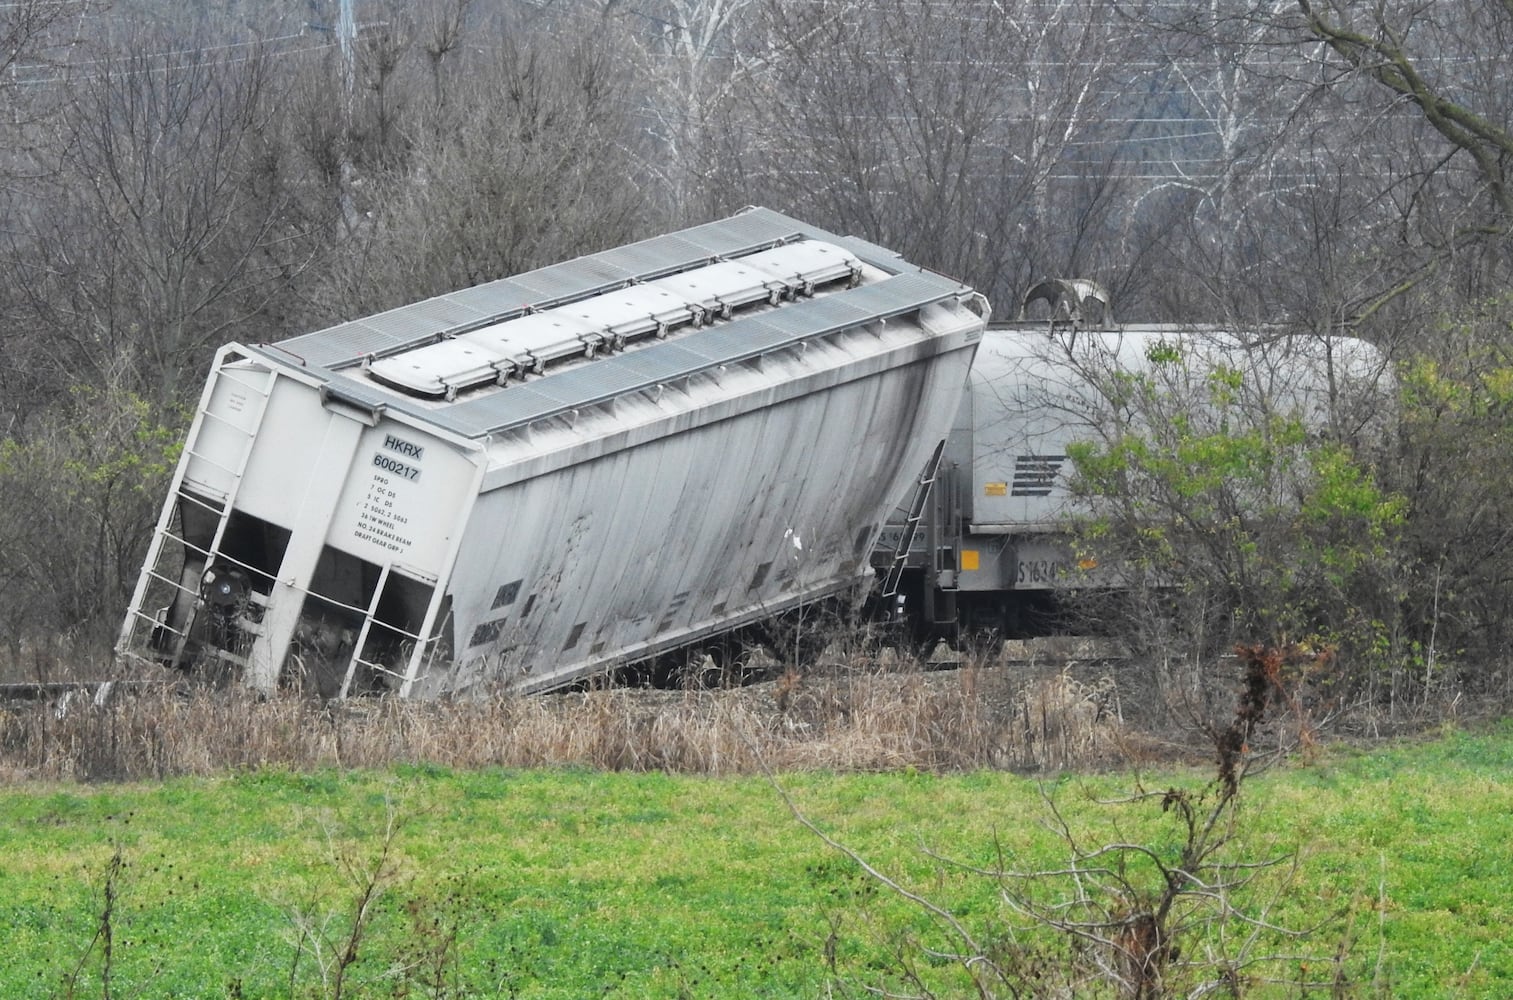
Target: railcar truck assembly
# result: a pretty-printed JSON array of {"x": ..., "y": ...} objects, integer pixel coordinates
[{"x": 532, "y": 480}]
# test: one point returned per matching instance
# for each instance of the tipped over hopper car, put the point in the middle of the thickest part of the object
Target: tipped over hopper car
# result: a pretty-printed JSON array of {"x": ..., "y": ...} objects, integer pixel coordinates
[{"x": 522, "y": 483}]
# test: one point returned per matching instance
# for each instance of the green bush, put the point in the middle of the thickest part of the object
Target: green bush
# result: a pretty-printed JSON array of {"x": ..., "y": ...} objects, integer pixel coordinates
[
  {"x": 80, "y": 490},
  {"x": 1239, "y": 517}
]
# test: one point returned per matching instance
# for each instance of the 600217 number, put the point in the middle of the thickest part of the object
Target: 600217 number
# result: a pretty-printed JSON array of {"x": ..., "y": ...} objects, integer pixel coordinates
[{"x": 400, "y": 469}]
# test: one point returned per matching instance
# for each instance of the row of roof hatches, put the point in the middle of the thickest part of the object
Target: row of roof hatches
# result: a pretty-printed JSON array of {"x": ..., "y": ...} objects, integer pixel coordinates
[{"x": 607, "y": 322}]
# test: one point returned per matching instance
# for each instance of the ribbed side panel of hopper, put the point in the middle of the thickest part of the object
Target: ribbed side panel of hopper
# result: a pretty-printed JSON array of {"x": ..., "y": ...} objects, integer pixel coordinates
[{"x": 523, "y": 483}]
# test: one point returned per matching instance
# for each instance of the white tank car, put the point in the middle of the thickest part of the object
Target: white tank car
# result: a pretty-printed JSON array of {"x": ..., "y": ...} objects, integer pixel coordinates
[
  {"x": 523, "y": 483},
  {"x": 992, "y": 543}
]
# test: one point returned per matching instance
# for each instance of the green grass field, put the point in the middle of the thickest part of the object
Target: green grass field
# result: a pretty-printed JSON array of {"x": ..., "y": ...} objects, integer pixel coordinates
[{"x": 575, "y": 884}]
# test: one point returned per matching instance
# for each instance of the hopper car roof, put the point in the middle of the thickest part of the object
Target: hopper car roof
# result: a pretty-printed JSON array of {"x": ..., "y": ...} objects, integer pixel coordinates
[{"x": 496, "y": 337}]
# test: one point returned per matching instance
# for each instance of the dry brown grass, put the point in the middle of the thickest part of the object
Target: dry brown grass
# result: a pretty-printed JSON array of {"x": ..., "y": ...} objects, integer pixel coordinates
[{"x": 866, "y": 714}]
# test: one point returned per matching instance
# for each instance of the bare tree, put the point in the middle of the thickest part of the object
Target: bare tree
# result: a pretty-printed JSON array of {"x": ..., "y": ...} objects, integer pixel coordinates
[
  {"x": 158, "y": 234},
  {"x": 152, "y": 229},
  {"x": 953, "y": 131},
  {"x": 36, "y": 40},
  {"x": 526, "y": 166},
  {"x": 1215, "y": 167},
  {"x": 1445, "y": 64},
  {"x": 444, "y": 32},
  {"x": 1396, "y": 122},
  {"x": 1395, "y": 134},
  {"x": 33, "y": 33}
]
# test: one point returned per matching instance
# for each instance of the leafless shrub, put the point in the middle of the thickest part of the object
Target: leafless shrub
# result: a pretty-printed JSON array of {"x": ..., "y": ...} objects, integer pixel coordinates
[
  {"x": 100, "y": 950},
  {"x": 339, "y": 937},
  {"x": 1186, "y": 909},
  {"x": 333, "y": 940}
]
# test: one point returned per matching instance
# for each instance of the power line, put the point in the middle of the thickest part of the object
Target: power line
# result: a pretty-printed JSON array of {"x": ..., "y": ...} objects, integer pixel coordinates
[{"x": 66, "y": 75}]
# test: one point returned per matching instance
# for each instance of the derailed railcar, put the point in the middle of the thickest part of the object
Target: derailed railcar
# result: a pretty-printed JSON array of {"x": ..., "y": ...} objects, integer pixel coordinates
[
  {"x": 991, "y": 547},
  {"x": 528, "y": 481}
]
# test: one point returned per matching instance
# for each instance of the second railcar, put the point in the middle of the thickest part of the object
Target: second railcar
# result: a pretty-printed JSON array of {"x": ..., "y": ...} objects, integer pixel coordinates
[{"x": 989, "y": 547}]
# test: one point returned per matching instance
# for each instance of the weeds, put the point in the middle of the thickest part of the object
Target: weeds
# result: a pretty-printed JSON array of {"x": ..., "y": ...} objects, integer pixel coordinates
[
  {"x": 334, "y": 940},
  {"x": 95, "y": 973},
  {"x": 102, "y": 945},
  {"x": 867, "y": 713},
  {"x": 1184, "y": 908},
  {"x": 363, "y": 928},
  {"x": 855, "y": 707}
]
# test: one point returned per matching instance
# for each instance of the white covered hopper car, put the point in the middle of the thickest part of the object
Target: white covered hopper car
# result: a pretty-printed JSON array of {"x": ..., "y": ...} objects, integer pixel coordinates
[
  {"x": 991, "y": 548},
  {"x": 524, "y": 482}
]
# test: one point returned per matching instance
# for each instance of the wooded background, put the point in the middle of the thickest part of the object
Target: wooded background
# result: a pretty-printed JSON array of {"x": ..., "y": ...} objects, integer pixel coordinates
[{"x": 174, "y": 176}]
